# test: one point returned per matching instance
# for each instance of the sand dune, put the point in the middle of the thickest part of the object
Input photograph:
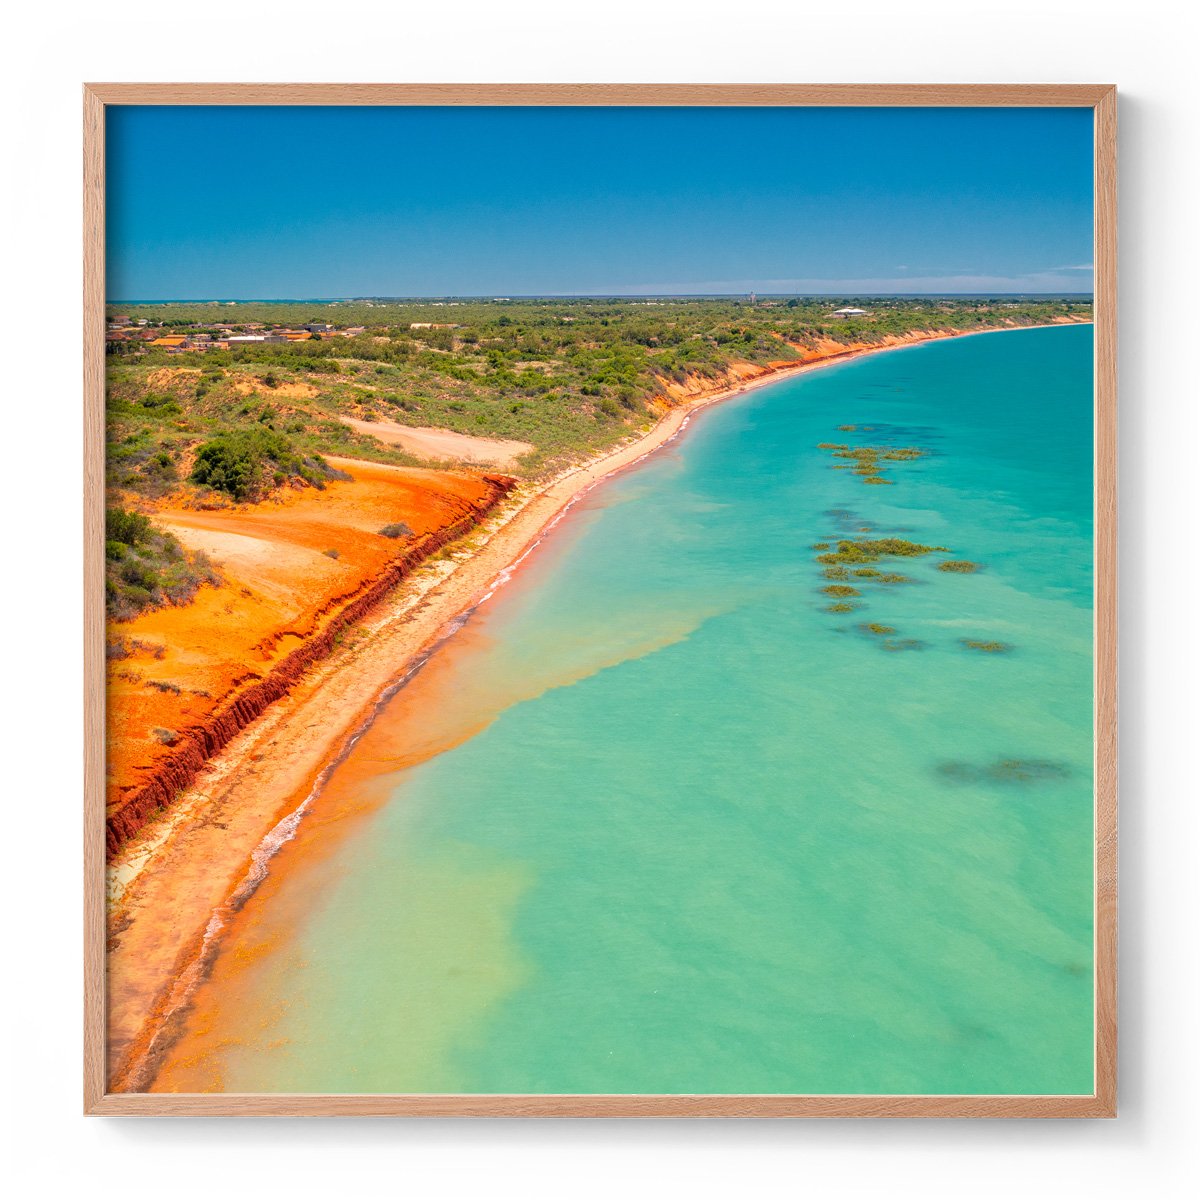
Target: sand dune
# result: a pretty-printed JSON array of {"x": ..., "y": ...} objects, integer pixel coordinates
[{"x": 442, "y": 444}]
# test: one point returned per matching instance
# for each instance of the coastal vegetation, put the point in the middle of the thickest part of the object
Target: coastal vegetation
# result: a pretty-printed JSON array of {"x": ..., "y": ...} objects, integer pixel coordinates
[
  {"x": 146, "y": 567},
  {"x": 567, "y": 377},
  {"x": 250, "y": 463}
]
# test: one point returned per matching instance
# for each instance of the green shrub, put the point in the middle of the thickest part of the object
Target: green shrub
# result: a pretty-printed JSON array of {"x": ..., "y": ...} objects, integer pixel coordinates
[
  {"x": 126, "y": 527},
  {"x": 397, "y": 530},
  {"x": 146, "y": 567},
  {"x": 248, "y": 463}
]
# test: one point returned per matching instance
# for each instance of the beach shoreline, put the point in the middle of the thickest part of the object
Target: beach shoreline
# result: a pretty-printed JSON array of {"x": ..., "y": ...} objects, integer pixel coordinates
[{"x": 169, "y": 887}]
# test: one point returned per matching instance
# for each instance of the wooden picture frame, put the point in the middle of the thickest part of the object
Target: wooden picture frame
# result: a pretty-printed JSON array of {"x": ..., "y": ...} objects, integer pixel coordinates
[{"x": 1103, "y": 101}]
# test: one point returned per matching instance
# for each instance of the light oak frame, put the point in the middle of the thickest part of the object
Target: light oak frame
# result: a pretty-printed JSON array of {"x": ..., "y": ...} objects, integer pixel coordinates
[{"x": 1102, "y": 99}]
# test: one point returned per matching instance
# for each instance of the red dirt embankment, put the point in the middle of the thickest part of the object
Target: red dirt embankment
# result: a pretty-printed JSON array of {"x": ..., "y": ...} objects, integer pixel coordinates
[
  {"x": 738, "y": 375},
  {"x": 193, "y": 677}
]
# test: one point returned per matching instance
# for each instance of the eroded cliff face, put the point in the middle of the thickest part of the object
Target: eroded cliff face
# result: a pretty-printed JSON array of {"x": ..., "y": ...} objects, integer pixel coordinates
[
  {"x": 695, "y": 386},
  {"x": 150, "y": 775}
]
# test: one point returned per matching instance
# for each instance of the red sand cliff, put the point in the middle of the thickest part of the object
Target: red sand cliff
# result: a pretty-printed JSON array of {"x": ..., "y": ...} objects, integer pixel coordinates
[{"x": 199, "y": 674}]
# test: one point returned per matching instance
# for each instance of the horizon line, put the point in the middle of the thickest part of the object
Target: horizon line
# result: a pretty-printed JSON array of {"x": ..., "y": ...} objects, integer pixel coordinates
[{"x": 490, "y": 298}]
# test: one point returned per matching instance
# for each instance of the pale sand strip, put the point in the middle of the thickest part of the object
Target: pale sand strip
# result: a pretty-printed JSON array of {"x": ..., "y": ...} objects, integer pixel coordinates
[
  {"x": 442, "y": 444},
  {"x": 176, "y": 874}
]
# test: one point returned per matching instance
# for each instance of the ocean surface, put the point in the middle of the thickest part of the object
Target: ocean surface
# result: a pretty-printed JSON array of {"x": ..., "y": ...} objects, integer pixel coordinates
[{"x": 655, "y": 820}]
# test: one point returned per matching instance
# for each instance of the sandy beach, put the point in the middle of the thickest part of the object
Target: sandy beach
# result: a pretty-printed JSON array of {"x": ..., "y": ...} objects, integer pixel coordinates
[{"x": 170, "y": 884}]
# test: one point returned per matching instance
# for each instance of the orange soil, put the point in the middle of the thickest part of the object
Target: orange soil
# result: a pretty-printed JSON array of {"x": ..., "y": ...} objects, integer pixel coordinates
[
  {"x": 279, "y": 588},
  {"x": 296, "y": 391},
  {"x": 165, "y": 376}
]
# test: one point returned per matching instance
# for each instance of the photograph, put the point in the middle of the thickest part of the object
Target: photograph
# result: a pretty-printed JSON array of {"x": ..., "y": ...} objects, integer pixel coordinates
[{"x": 603, "y": 600}]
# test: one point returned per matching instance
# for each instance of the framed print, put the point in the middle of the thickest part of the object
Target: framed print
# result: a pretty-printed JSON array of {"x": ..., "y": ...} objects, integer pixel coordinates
[{"x": 600, "y": 600}]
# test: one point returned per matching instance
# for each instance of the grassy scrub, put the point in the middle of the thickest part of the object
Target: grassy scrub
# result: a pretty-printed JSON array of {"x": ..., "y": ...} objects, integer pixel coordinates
[{"x": 146, "y": 567}]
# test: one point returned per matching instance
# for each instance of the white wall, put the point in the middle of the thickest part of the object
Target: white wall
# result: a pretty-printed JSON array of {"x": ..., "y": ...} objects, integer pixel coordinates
[{"x": 51, "y": 48}]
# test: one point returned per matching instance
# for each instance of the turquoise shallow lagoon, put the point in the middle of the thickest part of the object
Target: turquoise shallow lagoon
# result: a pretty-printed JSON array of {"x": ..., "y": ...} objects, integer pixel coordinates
[{"x": 703, "y": 835}]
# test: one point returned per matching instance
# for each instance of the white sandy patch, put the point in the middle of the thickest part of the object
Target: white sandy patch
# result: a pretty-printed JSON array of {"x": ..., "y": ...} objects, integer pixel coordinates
[{"x": 442, "y": 444}]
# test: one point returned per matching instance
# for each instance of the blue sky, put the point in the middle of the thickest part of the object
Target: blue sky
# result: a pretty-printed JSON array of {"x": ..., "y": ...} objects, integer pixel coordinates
[{"x": 240, "y": 203}]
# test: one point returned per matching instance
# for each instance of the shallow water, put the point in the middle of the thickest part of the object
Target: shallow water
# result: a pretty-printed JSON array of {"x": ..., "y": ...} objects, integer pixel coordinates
[{"x": 655, "y": 821}]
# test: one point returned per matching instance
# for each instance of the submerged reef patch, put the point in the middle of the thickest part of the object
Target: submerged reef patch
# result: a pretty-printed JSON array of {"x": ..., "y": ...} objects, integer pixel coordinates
[
  {"x": 868, "y": 550},
  {"x": 868, "y": 462},
  {"x": 846, "y": 519},
  {"x": 1004, "y": 770},
  {"x": 959, "y": 567},
  {"x": 899, "y": 644},
  {"x": 986, "y": 647}
]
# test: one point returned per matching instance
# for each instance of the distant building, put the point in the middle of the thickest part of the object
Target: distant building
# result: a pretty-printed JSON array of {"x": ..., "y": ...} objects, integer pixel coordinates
[
  {"x": 319, "y": 327},
  {"x": 171, "y": 343},
  {"x": 846, "y": 314},
  {"x": 432, "y": 325}
]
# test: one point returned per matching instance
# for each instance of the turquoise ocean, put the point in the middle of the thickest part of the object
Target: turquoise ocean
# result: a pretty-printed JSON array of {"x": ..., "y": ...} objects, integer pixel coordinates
[{"x": 687, "y": 830}]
